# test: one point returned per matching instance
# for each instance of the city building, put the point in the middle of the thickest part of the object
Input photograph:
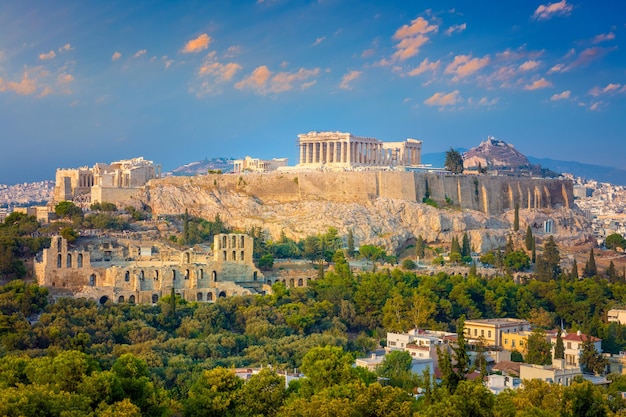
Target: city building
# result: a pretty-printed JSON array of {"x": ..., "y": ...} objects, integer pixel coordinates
[
  {"x": 338, "y": 150},
  {"x": 617, "y": 315},
  {"x": 110, "y": 269},
  {"x": 492, "y": 331},
  {"x": 249, "y": 164},
  {"x": 557, "y": 373},
  {"x": 573, "y": 344}
]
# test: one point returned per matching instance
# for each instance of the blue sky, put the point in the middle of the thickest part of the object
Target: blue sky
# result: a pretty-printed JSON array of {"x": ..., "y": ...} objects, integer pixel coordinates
[{"x": 179, "y": 81}]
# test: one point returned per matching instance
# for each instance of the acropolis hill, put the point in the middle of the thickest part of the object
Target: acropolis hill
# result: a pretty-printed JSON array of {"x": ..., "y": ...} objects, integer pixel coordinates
[{"x": 381, "y": 207}]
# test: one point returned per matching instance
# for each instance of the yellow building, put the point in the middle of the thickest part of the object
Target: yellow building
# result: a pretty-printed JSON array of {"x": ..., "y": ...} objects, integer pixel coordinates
[
  {"x": 516, "y": 341},
  {"x": 492, "y": 331}
]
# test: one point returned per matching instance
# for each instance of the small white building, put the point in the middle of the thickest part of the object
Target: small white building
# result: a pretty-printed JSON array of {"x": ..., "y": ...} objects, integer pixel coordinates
[
  {"x": 557, "y": 373},
  {"x": 617, "y": 315}
]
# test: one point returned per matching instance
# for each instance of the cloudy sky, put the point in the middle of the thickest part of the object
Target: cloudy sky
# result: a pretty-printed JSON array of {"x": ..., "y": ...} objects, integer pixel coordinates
[{"x": 90, "y": 81}]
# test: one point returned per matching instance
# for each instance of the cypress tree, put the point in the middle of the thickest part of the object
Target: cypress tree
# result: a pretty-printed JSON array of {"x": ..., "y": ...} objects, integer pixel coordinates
[
  {"x": 611, "y": 273},
  {"x": 454, "y": 246},
  {"x": 420, "y": 247},
  {"x": 559, "y": 348},
  {"x": 516, "y": 219},
  {"x": 509, "y": 246},
  {"x": 466, "y": 249},
  {"x": 574, "y": 273},
  {"x": 534, "y": 253},
  {"x": 529, "y": 239},
  {"x": 350, "y": 244},
  {"x": 590, "y": 268}
]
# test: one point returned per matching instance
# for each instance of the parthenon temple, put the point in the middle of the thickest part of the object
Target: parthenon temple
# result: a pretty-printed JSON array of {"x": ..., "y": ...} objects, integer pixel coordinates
[{"x": 344, "y": 150}]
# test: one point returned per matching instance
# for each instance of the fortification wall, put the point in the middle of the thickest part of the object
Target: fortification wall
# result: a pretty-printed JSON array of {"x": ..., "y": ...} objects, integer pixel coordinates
[{"x": 491, "y": 195}]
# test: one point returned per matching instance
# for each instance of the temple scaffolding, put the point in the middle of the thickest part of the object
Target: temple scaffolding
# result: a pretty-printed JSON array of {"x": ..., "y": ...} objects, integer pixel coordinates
[{"x": 344, "y": 150}]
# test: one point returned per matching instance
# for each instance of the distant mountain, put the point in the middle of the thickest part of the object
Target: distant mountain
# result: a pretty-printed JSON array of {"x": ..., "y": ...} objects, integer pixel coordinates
[
  {"x": 494, "y": 154},
  {"x": 596, "y": 172},
  {"x": 202, "y": 167}
]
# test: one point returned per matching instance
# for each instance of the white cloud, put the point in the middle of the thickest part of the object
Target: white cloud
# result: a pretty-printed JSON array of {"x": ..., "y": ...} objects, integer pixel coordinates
[
  {"x": 603, "y": 37},
  {"x": 546, "y": 11},
  {"x": 348, "y": 78},
  {"x": 456, "y": 28},
  {"x": 412, "y": 37},
  {"x": 610, "y": 88},
  {"x": 424, "y": 66},
  {"x": 116, "y": 56},
  {"x": 46, "y": 56},
  {"x": 66, "y": 47},
  {"x": 198, "y": 44},
  {"x": 263, "y": 81},
  {"x": 565, "y": 95},
  {"x": 140, "y": 53},
  {"x": 443, "y": 99},
  {"x": 537, "y": 84},
  {"x": 464, "y": 65},
  {"x": 319, "y": 40},
  {"x": 529, "y": 65}
]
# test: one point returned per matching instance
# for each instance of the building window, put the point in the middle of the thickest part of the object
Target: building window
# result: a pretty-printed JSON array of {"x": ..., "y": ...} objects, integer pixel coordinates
[
  {"x": 489, "y": 334},
  {"x": 79, "y": 260},
  {"x": 127, "y": 276},
  {"x": 482, "y": 333},
  {"x": 69, "y": 260},
  {"x": 475, "y": 332},
  {"x": 59, "y": 257},
  {"x": 155, "y": 298},
  {"x": 131, "y": 299}
]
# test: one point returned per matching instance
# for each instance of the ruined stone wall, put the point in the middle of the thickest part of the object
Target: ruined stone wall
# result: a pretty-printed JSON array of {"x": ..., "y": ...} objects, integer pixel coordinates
[
  {"x": 113, "y": 195},
  {"x": 489, "y": 194}
]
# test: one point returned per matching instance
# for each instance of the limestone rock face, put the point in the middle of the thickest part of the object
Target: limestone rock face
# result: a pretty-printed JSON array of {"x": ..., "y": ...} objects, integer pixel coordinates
[{"x": 246, "y": 201}]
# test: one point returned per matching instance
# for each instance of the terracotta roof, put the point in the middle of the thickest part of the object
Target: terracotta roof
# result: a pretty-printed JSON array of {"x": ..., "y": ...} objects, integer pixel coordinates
[
  {"x": 511, "y": 368},
  {"x": 573, "y": 337}
]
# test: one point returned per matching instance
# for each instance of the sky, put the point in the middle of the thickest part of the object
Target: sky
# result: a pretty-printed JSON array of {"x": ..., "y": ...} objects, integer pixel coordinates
[{"x": 90, "y": 81}]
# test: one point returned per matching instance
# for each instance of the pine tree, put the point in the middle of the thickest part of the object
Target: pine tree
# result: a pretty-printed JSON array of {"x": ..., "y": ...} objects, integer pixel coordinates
[
  {"x": 186, "y": 226},
  {"x": 509, "y": 246},
  {"x": 529, "y": 239},
  {"x": 611, "y": 273},
  {"x": 533, "y": 256},
  {"x": 173, "y": 302},
  {"x": 590, "y": 267},
  {"x": 516, "y": 218},
  {"x": 466, "y": 249},
  {"x": 559, "y": 348}
]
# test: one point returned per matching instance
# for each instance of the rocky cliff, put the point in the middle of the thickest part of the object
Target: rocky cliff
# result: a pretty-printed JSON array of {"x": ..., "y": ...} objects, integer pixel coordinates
[
  {"x": 494, "y": 154},
  {"x": 382, "y": 208}
]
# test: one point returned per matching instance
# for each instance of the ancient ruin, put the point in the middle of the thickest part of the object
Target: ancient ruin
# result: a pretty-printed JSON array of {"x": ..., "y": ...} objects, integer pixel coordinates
[
  {"x": 142, "y": 272},
  {"x": 337, "y": 150},
  {"x": 114, "y": 183}
]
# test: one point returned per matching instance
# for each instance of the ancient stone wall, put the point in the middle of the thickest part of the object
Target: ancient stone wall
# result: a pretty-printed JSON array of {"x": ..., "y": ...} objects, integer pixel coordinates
[{"x": 489, "y": 194}]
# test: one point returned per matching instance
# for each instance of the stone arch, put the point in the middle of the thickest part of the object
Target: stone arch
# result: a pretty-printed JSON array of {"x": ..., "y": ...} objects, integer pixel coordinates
[
  {"x": 156, "y": 274},
  {"x": 92, "y": 280},
  {"x": 222, "y": 294},
  {"x": 59, "y": 243},
  {"x": 59, "y": 260},
  {"x": 241, "y": 241},
  {"x": 141, "y": 274},
  {"x": 269, "y": 282},
  {"x": 127, "y": 276},
  {"x": 155, "y": 298},
  {"x": 186, "y": 274},
  {"x": 79, "y": 260},
  {"x": 174, "y": 274},
  {"x": 103, "y": 299},
  {"x": 225, "y": 255},
  {"x": 214, "y": 276},
  {"x": 131, "y": 299},
  {"x": 291, "y": 283},
  {"x": 187, "y": 257},
  {"x": 201, "y": 273},
  {"x": 300, "y": 282},
  {"x": 234, "y": 258},
  {"x": 308, "y": 281},
  {"x": 223, "y": 241},
  {"x": 234, "y": 241},
  {"x": 69, "y": 260},
  {"x": 199, "y": 296},
  {"x": 120, "y": 299},
  {"x": 241, "y": 256},
  {"x": 209, "y": 296},
  {"x": 254, "y": 275}
]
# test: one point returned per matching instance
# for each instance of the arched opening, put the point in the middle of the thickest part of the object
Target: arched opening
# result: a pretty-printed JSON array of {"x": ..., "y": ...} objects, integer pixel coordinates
[
  {"x": 225, "y": 255},
  {"x": 241, "y": 240},
  {"x": 222, "y": 294},
  {"x": 254, "y": 275},
  {"x": 187, "y": 257},
  {"x": 92, "y": 280},
  {"x": 186, "y": 274},
  {"x": 59, "y": 260},
  {"x": 291, "y": 282},
  {"x": 209, "y": 296},
  {"x": 241, "y": 256},
  {"x": 131, "y": 299},
  {"x": 223, "y": 241},
  {"x": 199, "y": 296},
  {"x": 269, "y": 282},
  {"x": 300, "y": 282},
  {"x": 127, "y": 276},
  {"x": 174, "y": 274},
  {"x": 103, "y": 299},
  {"x": 234, "y": 258},
  {"x": 121, "y": 299},
  {"x": 141, "y": 275},
  {"x": 59, "y": 243},
  {"x": 234, "y": 241},
  {"x": 79, "y": 260},
  {"x": 308, "y": 282},
  {"x": 69, "y": 260},
  {"x": 214, "y": 274},
  {"x": 155, "y": 298},
  {"x": 201, "y": 273},
  {"x": 156, "y": 275}
]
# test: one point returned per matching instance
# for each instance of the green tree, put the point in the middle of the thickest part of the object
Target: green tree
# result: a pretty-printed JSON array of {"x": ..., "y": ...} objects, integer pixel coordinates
[
  {"x": 529, "y": 239},
  {"x": 327, "y": 366},
  {"x": 396, "y": 366},
  {"x": 351, "y": 246},
  {"x": 466, "y": 246},
  {"x": 614, "y": 241},
  {"x": 590, "y": 267},
  {"x": 573, "y": 275},
  {"x": 454, "y": 246},
  {"x": 611, "y": 272},
  {"x": 262, "y": 395},
  {"x": 215, "y": 393},
  {"x": 590, "y": 359},
  {"x": 539, "y": 348},
  {"x": 266, "y": 262},
  {"x": 517, "y": 260},
  {"x": 67, "y": 210},
  {"x": 70, "y": 234},
  {"x": 559, "y": 347},
  {"x": 454, "y": 161},
  {"x": 420, "y": 247},
  {"x": 548, "y": 264},
  {"x": 454, "y": 363},
  {"x": 516, "y": 218}
]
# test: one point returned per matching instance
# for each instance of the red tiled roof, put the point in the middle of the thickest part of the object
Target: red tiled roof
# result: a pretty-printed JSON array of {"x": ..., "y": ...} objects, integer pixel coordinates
[{"x": 573, "y": 337}]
